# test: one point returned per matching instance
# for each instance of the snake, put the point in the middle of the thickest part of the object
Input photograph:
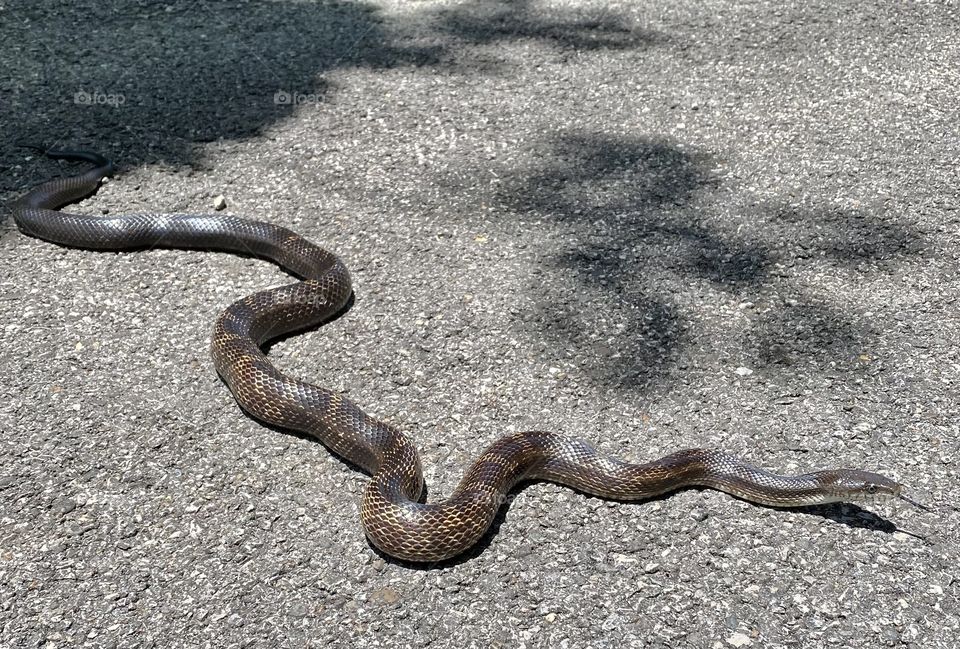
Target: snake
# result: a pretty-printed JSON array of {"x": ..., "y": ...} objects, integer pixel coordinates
[{"x": 394, "y": 513}]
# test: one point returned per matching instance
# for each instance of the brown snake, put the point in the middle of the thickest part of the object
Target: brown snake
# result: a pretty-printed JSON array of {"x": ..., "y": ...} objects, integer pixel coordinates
[{"x": 392, "y": 515}]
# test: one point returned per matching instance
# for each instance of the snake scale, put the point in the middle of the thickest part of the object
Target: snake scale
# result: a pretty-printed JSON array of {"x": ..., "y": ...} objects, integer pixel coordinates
[{"x": 392, "y": 514}]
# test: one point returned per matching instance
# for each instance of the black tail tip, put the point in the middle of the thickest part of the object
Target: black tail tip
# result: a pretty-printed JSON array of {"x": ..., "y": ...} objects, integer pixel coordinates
[
  {"x": 72, "y": 155},
  {"x": 35, "y": 147}
]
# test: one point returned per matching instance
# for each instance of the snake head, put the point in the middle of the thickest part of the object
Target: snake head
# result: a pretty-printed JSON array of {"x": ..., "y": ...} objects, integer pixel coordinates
[{"x": 855, "y": 486}]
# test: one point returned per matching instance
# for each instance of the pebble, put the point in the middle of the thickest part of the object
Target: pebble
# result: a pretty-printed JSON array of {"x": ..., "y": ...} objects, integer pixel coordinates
[
  {"x": 386, "y": 595},
  {"x": 63, "y": 505}
]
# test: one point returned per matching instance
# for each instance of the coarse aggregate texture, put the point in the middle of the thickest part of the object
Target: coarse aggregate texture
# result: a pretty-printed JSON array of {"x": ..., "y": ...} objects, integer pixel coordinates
[{"x": 651, "y": 225}]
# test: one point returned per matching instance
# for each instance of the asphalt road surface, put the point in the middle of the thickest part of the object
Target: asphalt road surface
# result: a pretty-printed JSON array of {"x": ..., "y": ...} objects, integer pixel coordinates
[{"x": 653, "y": 225}]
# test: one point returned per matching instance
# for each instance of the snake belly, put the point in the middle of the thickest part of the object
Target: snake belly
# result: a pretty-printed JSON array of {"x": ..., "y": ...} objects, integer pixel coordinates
[{"x": 392, "y": 514}]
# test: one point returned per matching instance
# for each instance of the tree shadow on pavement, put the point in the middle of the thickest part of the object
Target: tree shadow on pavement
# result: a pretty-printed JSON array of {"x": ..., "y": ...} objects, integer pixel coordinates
[
  {"x": 641, "y": 243},
  {"x": 157, "y": 78},
  {"x": 150, "y": 82},
  {"x": 484, "y": 23},
  {"x": 147, "y": 83}
]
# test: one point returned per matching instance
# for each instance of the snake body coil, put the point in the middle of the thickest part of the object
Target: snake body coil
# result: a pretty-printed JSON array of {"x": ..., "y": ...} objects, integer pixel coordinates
[{"x": 392, "y": 516}]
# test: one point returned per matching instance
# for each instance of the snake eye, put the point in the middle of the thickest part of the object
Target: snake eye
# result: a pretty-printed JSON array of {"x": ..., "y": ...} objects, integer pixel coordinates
[{"x": 872, "y": 489}]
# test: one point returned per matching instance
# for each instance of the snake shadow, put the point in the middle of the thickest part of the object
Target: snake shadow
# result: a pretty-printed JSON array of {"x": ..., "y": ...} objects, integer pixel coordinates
[{"x": 849, "y": 514}]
